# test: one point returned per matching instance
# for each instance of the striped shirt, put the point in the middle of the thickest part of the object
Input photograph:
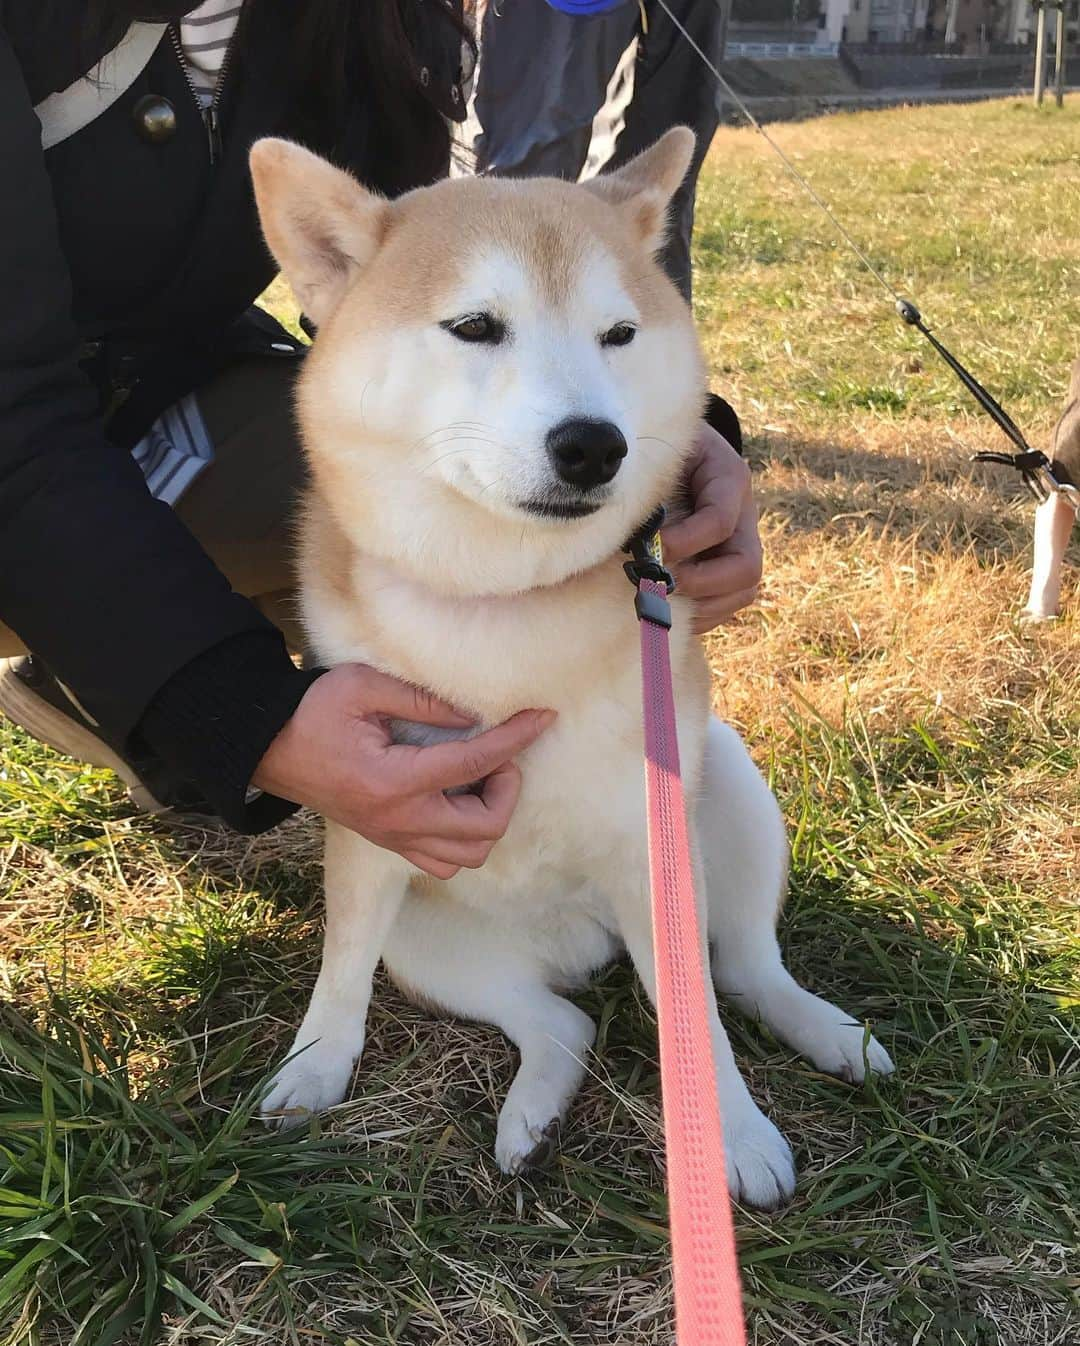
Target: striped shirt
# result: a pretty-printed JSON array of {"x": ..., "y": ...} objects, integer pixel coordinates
[
  {"x": 205, "y": 35},
  {"x": 175, "y": 450}
]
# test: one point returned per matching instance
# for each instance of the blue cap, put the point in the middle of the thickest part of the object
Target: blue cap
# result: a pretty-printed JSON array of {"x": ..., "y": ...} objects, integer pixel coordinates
[{"x": 585, "y": 6}]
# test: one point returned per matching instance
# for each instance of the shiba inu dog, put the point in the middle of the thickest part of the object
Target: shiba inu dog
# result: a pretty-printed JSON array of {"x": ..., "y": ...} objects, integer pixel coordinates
[
  {"x": 503, "y": 387},
  {"x": 1055, "y": 517}
]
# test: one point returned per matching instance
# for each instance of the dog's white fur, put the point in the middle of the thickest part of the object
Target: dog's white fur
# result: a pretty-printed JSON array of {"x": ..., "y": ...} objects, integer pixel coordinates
[
  {"x": 1054, "y": 520},
  {"x": 1055, "y": 517},
  {"x": 417, "y": 557}
]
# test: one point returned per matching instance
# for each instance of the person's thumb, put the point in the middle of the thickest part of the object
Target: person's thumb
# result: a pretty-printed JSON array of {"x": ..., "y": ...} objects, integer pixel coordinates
[
  {"x": 378, "y": 693},
  {"x": 446, "y": 766}
]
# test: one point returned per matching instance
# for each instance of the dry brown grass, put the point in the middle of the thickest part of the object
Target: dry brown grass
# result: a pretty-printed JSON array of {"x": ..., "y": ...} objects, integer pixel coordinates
[
  {"x": 894, "y": 578},
  {"x": 926, "y": 748}
]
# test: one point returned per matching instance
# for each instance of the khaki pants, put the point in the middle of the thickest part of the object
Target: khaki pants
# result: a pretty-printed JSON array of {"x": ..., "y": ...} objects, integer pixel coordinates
[{"x": 241, "y": 507}]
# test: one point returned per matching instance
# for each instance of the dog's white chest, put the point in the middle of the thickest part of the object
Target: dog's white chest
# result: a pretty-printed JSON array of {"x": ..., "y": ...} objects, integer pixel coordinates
[{"x": 580, "y": 819}]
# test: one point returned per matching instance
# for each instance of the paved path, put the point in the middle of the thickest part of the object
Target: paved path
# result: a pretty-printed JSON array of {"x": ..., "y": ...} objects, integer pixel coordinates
[{"x": 786, "y": 107}]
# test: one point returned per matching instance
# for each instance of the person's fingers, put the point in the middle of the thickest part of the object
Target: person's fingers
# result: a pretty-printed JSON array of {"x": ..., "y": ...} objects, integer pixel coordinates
[
  {"x": 436, "y": 868},
  {"x": 467, "y": 819},
  {"x": 718, "y": 487},
  {"x": 381, "y": 694},
  {"x": 484, "y": 817},
  {"x": 709, "y": 615},
  {"x": 445, "y": 766},
  {"x": 717, "y": 576},
  {"x": 716, "y": 516},
  {"x": 451, "y": 851}
]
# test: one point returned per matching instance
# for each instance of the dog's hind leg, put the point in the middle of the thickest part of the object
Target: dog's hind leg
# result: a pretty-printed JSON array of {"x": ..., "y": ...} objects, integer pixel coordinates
[
  {"x": 459, "y": 961},
  {"x": 1054, "y": 521},
  {"x": 741, "y": 834},
  {"x": 364, "y": 890}
]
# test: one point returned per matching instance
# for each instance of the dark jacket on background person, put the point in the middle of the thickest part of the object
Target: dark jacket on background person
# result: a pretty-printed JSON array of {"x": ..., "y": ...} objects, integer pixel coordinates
[
  {"x": 127, "y": 267},
  {"x": 608, "y": 87}
]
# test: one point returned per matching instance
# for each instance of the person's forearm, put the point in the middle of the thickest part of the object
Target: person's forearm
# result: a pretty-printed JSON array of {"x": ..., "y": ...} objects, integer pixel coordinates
[{"x": 213, "y": 721}]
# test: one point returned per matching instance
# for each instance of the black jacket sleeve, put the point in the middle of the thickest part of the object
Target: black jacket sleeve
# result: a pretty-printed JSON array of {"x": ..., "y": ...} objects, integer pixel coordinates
[
  {"x": 213, "y": 721},
  {"x": 97, "y": 578}
]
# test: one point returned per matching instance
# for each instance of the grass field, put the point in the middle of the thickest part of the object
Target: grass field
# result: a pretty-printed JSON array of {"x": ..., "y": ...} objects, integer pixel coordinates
[{"x": 925, "y": 747}]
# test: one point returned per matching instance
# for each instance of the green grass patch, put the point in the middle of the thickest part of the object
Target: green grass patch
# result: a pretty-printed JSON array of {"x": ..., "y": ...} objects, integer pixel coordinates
[{"x": 927, "y": 757}]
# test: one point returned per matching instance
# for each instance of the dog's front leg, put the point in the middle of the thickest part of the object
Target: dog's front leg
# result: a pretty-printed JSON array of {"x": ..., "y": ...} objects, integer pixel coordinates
[
  {"x": 1054, "y": 521},
  {"x": 761, "y": 1171},
  {"x": 364, "y": 890}
]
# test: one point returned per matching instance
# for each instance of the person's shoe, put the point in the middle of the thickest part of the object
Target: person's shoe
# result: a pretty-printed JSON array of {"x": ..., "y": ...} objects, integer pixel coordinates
[{"x": 41, "y": 705}]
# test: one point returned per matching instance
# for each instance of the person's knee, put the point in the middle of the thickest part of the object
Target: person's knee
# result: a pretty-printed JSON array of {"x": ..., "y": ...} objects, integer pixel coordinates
[{"x": 10, "y": 644}]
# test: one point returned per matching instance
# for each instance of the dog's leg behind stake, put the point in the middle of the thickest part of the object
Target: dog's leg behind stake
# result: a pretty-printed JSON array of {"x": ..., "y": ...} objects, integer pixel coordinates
[{"x": 708, "y": 1301}]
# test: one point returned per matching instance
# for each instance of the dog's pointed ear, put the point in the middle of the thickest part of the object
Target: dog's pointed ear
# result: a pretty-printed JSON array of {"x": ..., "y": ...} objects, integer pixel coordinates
[
  {"x": 319, "y": 223},
  {"x": 643, "y": 188}
]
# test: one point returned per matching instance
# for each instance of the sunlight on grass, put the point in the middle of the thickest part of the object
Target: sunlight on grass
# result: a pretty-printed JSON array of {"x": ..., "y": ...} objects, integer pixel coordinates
[{"x": 926, "y": 750}]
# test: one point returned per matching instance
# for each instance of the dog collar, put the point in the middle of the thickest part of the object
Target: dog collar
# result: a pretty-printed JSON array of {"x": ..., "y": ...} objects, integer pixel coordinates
[{"x": 647, "y": 563}]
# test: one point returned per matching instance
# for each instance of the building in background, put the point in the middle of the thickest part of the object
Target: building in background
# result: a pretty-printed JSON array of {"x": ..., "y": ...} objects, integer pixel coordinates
[
  {"x": 972, "y": 25},
  {"x": 976, "y": 23},
  {"x": 775, "y": 21},
  {"x": 1017, "y": 22},
  {"x": 897, "y": 20},
  {"x": 852, "y": 17},
  {"x": 808, "y": 21},
  {"x": 834, "y": 20},
  {"x": 968, "y": 22}
]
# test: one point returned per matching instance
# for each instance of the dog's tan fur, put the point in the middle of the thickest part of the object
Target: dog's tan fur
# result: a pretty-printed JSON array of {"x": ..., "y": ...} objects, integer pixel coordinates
[{"x": 422, "y": 554}]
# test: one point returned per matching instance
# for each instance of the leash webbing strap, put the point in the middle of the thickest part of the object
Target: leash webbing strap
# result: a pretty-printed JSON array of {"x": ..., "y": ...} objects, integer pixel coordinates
[{"x": 708, "y": 1301}]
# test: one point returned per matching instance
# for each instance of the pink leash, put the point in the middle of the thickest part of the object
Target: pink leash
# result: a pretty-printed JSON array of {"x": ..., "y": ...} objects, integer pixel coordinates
[{"x": 708, "y": 1301}]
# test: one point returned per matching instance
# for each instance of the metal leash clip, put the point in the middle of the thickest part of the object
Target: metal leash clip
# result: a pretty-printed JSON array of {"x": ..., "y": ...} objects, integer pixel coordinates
[{"x": 1037, "y": 472}]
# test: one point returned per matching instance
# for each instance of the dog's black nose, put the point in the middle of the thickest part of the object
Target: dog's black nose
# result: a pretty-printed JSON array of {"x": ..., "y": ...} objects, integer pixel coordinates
[{"x": 586, "y": 453}]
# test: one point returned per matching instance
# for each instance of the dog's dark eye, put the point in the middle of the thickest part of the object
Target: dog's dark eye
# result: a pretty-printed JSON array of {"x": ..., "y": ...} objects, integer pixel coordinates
[
  {"x": 620, "y": 335},
  {"x": 481, "y": 328}
]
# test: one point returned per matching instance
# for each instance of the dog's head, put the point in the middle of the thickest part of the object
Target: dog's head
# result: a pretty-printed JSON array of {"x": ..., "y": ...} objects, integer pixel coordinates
[{"x": 504, "y": 383}]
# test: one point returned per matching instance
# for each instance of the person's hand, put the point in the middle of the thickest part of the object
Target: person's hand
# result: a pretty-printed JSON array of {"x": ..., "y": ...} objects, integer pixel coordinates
[
  {"x": 335, "y": 755},
  {"x": 715, "y": 552}
]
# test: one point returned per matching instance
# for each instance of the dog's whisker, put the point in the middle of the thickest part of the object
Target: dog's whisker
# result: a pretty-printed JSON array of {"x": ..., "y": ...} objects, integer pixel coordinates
[
  {"x": 466, "y": 426},
  {"x": 465, "y": 439},
  {"x": 470, "y": 439},
  {"x": 452, "y": 453}
]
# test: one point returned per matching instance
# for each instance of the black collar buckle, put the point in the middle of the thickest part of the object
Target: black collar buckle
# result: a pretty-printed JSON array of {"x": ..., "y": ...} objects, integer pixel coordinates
[{"x": 645, "y": 565}]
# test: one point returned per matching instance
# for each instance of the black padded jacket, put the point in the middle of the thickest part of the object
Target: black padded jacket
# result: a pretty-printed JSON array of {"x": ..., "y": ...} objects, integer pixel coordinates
[{"x": 126, "y": 269}]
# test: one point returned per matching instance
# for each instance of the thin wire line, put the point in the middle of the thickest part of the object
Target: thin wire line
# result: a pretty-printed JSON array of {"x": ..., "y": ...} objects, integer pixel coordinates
[
  {"x": 822, "y": 205},
  {"x": 907, "y": 311}
]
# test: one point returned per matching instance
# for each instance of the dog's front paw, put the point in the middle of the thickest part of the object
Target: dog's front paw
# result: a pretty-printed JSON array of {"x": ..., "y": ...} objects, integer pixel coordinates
[
  {"x": 828, "y": 1036},
  {"x": 760, "y": 1166},
  {"x": 524, "y": 1143},
  {"x": 842, "y": 1055},
  {"x": 314, "y": 1079},
  {"x": 1036, "y": 616},
  {"x": 833, "y": 1041}
]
